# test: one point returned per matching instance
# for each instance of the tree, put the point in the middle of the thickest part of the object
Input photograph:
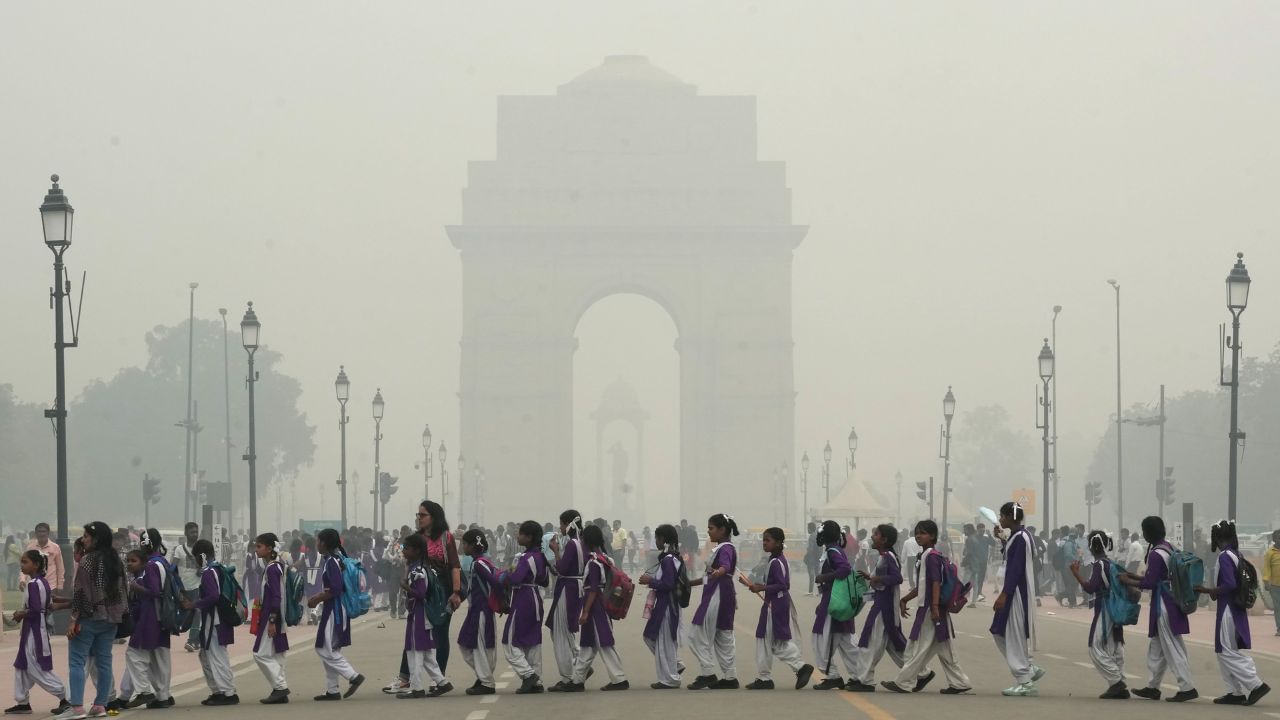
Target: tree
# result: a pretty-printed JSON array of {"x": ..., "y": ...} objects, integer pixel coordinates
[
  {"x": 125, "y": 426},
  {"x": 26, "y": 464}
]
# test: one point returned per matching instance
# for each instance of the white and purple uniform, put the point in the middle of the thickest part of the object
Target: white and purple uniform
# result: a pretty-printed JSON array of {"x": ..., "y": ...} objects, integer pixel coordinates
[
  {"x": 566, "y": 606},
  {"x": 773, "y": 630},
  {"x": 882, "y": 630},
  {"x": 215, "y": 635},
  {"x": 476, "y": 636},
  {"x": 1166, "y": 624},
  {"x": 596, "y": 636},
  {"x": 833, "y": 637},
  {"x": 269, "y": 655},
  {"x": 662, "y": 628},
  {"x": 1231, "y": 635},
  {"x": 419, "y": 645},
  {"x": 34, "y": 664},
  {"x": 522, "y": 635},
  {"x": 334, "y": 632},
  {"x": 711, "y": 632},
  {"x": 1014, "y": 626},
  {"x": 1106, "y": 639}
]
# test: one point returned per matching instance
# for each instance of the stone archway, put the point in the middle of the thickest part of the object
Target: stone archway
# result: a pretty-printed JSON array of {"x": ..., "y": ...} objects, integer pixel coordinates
[{"x": 627, "y": 181}]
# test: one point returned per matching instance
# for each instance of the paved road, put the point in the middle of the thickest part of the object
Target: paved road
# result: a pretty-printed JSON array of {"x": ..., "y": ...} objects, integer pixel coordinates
[{"x": 1069, "y": 690}]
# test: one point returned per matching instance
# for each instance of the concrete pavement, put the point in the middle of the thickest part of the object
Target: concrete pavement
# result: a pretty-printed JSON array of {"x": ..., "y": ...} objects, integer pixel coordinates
[{"x": 1071, "y": 687}]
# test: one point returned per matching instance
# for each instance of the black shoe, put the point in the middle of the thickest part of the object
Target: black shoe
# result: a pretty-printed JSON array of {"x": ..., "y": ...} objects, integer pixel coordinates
[
  {"x": 1119, "y": 691},
  {"x": 892, "y": 686},
  {"x": 1257, "y": 693},
  {"x": 116, "y": 705},
  {"x": 220, "y": 699},
  {"x": 327, "y": 697},
  {"x": 831, "y": 683},
  {"x": 954, "y": 691},
  {"x": 558, "y": 687},
  {"x": 140, "y": 699},
  {"x": 1229, "y": 699},
  {"x": 725, "y": 684},
  {"x": 479, "y": 689},
  {"x": 22, "y": 709},
  {"x": 170, "y": 702},
  {"x": 702, "y": 682},
  {"x": 1184, "y": 695},
  {"x": 803, "y": 675},
  {"x": 411, "y": 695},
  {"x": 624, "y": 685},
  {"x": 531, "y": 685},
  {"x": 158, "y": 705},
  {"x": 760, "y": 685},
  {"x": 856, "y": 686},
  {"x": 572, "y": 687},
  {"x": 1147, "y": 692},
  {"x": 277, "y": 697},
  {"x": 439, "y": 690},
  {"x": 663, "y": 686},
  {"x": 921, "y": 682},
  {"x": 356, "y": 682}
]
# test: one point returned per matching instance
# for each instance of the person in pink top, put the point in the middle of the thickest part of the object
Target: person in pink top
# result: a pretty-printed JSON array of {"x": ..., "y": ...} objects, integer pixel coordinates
[{"x": 54, "y": 573}]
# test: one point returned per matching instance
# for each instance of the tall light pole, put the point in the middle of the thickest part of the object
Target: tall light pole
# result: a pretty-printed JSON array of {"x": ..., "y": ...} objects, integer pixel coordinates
[
  {"x": 442, "y": 454},
  {"x": 826, "y": 470},
  {"x": 57, "y": 216},
  {"x": 1119, "y": 419},
  {"x": 1046, "y": 374},
  {"x": 1237, "y": 300},
  {"x": 804, "y": 486},
  {"x": 853, "y": 450},
  {"x": 250, "y": 331},
  {"x": 226, "y": 396},
  {"x": 189, "y": 477},
  {"x": 378, "y": 407},
  {"x": 342, "y": 389},
  {"x": 1053, "y": 337},
  {"x": 948, "y": 412},
  {"x": 462, "y": 481},
  {"x": 426, "y": 462}
]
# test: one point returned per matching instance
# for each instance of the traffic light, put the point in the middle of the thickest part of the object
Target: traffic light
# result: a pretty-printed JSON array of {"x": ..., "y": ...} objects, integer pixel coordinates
[
  {"x": 150, "y": 490},
  {"x": 1167, "y": 487},
  {"x": 922, "y": 491},
  {"x": 387, "y": 486},
  {"x": 1092, "y": 493}
]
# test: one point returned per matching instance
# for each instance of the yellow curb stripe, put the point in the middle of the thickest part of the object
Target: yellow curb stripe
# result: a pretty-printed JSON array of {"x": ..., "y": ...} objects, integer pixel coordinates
[{"x": 866, "y": 707}]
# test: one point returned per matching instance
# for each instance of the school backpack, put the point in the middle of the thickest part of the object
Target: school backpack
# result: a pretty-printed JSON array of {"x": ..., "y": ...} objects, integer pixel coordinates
[
  {"x": 848, "y": 595},
  {"x": 954, "y": 594},
  {"x": 500, "y": 593},
  {"x": 356, "y": 600},
  {"x": 173, "y": 619},
  {"x": 1121, "y": 601},
  {"x": 683, "y": 591},
  {"x": 618, "y": 591},
  {"x": 1246, "y": 593},
  {"x": 1186, "y": 571},
  {"x": 233, "y": 606},
  {"x": 295, "y": 588},
  {"x": 437, "y": 600}
]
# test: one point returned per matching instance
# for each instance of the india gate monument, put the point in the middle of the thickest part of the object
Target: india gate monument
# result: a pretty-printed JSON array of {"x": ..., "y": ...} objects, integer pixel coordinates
[{"x": 626, "y": 180}]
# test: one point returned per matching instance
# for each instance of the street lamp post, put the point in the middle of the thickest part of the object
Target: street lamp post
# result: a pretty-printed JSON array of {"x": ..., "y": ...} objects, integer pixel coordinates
[
  {"x": 462, "y": 481},
  {"x": 189, "y": 498},
  {"x": 853, "y": 451},
  {"x": 342, "y": 388},
  {"x": 948, "y": 412},
  {"x": 57, "y": 216},
  {"x": 1119, "y": 419},
  {"x": 250, "y": 330},
  {"x": 804, "y": 486},
  {"x": 226, "y": 396},
  {"x": 378, "y": 408},
  {"x": 1053, "y": 338},
  {"x": 1237, "y": 300},
  {"x": 426, "y": 462},
  {"x": 1046, "y": 374},
  {"x": 826, "y": 470},
  {"x": 442, "y": 455}
]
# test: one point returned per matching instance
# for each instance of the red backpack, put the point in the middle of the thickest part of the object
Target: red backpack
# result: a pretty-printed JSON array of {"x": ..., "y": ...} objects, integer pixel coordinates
[{"x": 619, "y": 589}]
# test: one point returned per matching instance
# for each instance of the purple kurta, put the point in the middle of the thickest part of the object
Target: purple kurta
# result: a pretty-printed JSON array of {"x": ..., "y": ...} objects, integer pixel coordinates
[
  {"x": 331, "y": 580},
  {"x": 1227, "y": 581},
  {"x": 207, "y": 605},
  {"x": 883, "y": 606},
  {"x": 1017, "y": 586},
  {"x": 943, "y": 632},
  {"x": 271, "y": 593},
  {"x": 834, "y": 563},
  {"x": 569, "y": 572},
  {"x": 524, "y": 624},
  {"x": 724, "y": 555},
  {"x": 147, "y": 632},
  {"x": 35, "y": 628},
  {"x": 417, "y": 630},
  {"x": 777, "y": 600},
  {"x": 483, "y": 577},
  {"x": 663, "y": 585},
  {"x": 1155, "y": 581},
  {"x": 598, "y": 623}
]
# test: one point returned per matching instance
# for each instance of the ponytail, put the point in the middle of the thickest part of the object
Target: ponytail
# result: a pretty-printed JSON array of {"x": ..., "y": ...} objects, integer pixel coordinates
[{"x": 724, "y": 521}]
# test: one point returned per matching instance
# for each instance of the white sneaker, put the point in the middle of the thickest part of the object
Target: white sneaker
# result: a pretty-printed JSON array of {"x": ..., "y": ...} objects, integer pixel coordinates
[
  {"x": 1021, "y": 690},
  {"x": 97, "y": 711},
  {"x": 396, "y": 686},
  {"x": 1037, "y": 672},
  {"x": 71, "y": 713}
]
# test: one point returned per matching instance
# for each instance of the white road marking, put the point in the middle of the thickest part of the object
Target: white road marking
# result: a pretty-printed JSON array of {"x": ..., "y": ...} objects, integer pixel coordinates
[
  {"x": 1274, "y": 715},
  {"x": 1084, "y": 664},
  {"x": 1055, "y": 657},
  {"x": 508, "y": 674},
  {"x": 488, "y": 699},
  {"x": 477, "y": 715},
  {"x": 501, "y": 685},
  {"x": 1131, "y": 677}
]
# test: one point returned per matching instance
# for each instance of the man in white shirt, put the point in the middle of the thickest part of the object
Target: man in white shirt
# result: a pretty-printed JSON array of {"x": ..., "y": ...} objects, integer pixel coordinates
[
  {"x": 1136, "y": 554},
  {"x": 910, "y": 551},
  {"x": 189, "y": 569}
]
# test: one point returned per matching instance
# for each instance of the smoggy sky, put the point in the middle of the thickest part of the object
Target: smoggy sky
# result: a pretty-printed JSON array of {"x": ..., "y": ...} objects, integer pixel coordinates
[{"x": 962, "y": 166}]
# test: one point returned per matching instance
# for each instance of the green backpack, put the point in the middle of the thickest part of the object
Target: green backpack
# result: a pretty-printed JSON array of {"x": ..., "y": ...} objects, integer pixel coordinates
[{"x": 848, "y": 594}]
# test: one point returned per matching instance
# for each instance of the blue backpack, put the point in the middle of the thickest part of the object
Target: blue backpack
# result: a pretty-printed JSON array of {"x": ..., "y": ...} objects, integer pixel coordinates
[
  {"x": 953, "y": 593},
  {"x": 1186, "y": 571},
  {"x": 1121, "y": 601},
  {"x": 295, "y": 587},
  {"x": 356, "y": 600},
  {"x": 173, "y": 619}
]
